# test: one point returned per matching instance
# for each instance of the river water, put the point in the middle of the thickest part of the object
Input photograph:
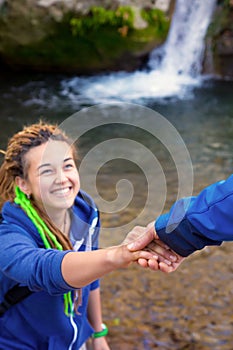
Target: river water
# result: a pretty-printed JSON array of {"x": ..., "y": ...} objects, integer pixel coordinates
[{"x": 192, "y": 308}]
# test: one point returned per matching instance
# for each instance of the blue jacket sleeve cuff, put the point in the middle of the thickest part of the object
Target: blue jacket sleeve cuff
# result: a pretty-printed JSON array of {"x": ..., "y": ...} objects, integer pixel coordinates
[{"x": 184, "y": 240}]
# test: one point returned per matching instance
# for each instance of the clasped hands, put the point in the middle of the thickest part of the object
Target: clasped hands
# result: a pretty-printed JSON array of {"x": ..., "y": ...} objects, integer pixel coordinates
[{"x": 146, "y": 238}]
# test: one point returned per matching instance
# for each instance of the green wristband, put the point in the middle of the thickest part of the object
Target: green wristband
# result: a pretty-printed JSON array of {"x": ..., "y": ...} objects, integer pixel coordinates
[{"x": 101, "y": 333}]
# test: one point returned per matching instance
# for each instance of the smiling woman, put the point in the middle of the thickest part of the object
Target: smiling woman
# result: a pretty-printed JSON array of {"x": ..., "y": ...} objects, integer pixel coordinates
[
  {"x": 52, "y": 182},
  {"x": 43, "y": 207}
]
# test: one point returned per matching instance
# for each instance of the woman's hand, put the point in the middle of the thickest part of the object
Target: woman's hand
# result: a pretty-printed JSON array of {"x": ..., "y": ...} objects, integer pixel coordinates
[
  {"x": 146, "y": 238},
  {"x": 120, "y": 256}
]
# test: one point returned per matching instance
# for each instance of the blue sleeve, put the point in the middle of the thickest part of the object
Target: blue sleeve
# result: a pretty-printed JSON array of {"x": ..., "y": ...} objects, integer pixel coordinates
[
  {"x": 22, "y": 261},
  {"x": 193, "y": 223}
]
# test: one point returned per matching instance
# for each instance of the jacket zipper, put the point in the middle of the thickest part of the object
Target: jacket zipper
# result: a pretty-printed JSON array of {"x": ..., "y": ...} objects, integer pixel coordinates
[{"x": 75, "y": 328}]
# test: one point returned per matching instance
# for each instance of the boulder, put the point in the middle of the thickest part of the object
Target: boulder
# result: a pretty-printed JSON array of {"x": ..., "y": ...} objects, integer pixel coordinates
[{"x": 82, "y": 37}]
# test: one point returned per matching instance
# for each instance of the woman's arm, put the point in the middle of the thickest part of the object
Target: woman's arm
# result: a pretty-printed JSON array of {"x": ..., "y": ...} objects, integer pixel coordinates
[
  {"x": 95, "y": 319},
  {"x": 94, "y": 310},
  {"x": 81, "y": 268}
]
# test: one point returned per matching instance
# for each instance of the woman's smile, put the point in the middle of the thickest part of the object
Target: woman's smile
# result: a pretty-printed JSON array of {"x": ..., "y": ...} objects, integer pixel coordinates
[{"x": 62, "y": 192}]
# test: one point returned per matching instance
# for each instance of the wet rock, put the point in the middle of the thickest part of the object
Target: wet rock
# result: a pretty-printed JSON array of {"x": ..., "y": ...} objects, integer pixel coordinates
[
  {"x": 219, "y": 49},
  {"x": 189, "y": 309}
]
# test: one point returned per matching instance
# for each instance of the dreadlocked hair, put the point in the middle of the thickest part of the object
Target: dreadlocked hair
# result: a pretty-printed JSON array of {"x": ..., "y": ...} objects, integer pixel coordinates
[
  {"x": 25, "y": 203},
  {"x": 14, "y": 164}
]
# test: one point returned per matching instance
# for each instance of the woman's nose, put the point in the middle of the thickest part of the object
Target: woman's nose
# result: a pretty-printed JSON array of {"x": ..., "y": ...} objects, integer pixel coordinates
[{"x": 61, "y": 177}]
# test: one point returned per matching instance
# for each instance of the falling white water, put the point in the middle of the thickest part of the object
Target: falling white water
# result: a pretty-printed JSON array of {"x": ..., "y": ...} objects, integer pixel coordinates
[
  {"x": 175, "y": 67},
  {"x": 184, "y": 48}
]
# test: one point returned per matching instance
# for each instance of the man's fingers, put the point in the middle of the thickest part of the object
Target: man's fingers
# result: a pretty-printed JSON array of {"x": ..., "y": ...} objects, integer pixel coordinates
[
  {"x": 165, "y": 268},
  {"x": 161, "y": 244},
  {"x": 150, "y": 263},
  {"x": 144, "y": 254},
  {"x": 143, "y": 262},
  {"x": 153, "y": 264},
  {"x": 165, "y": 255}
]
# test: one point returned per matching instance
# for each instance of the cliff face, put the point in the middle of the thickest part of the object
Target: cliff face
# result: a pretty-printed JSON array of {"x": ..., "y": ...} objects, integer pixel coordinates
[
  {"x": 91, "y": 36},
  {"x": 219, "y": 39}
]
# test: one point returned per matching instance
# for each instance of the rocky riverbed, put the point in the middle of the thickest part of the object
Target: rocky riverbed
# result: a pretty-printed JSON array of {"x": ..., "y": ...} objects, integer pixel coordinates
[{"x": 189, "y": 309}]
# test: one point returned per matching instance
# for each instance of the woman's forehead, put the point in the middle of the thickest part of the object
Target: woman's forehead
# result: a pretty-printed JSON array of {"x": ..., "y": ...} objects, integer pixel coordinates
[{"x": 50, "y": 152}]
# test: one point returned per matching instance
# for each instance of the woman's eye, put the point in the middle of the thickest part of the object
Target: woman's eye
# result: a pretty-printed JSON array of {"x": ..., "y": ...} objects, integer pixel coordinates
[
  {"x": 45, "y": 171},
  {"x": 69, "y": 165}
]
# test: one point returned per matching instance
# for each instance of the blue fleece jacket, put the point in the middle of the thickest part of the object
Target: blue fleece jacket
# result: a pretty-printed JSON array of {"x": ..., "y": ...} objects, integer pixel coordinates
[
  {"x": 193, "y": 223},
  {"x": 38, "y": 322}
]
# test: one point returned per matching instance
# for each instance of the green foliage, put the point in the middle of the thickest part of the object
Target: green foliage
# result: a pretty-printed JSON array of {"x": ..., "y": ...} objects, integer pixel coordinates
[
  {"x": 227, "y": 3},
  {"x": 221, "y": 20},
  {"x": 157, "y": 19},
  {"x": 99, "y": 17}
]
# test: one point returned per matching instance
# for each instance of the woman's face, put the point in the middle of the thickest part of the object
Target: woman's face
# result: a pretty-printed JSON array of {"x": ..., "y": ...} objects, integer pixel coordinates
[{"x": 52, "y": 176}]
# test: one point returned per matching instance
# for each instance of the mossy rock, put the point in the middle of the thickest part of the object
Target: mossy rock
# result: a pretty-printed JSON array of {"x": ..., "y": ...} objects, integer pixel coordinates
[
  {"x": 92, "y": 46},
  {"x": 220, "y": 33}
]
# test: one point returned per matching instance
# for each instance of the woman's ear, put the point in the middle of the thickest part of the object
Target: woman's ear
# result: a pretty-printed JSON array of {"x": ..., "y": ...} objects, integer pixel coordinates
[{"x": 23, "y": 185}]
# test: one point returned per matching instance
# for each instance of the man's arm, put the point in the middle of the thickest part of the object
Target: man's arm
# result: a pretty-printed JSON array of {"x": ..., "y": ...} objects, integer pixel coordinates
[
  {"x": 192, "y": 223},
  {"x": 207, "y": 220}
]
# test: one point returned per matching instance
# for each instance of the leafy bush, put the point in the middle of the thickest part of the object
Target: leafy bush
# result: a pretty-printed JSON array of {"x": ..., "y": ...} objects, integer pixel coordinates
[{"x": 99, "y": 17}]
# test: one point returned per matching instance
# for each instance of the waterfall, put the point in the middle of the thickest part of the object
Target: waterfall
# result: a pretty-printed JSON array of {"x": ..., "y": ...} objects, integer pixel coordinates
[
  {"x": 175, "y": 68},
  {"x": 184, "y": 48}
]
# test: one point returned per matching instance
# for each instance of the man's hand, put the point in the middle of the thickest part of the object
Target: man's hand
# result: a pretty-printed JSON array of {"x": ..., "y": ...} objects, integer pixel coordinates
[{"x": 146, "y": 238}]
